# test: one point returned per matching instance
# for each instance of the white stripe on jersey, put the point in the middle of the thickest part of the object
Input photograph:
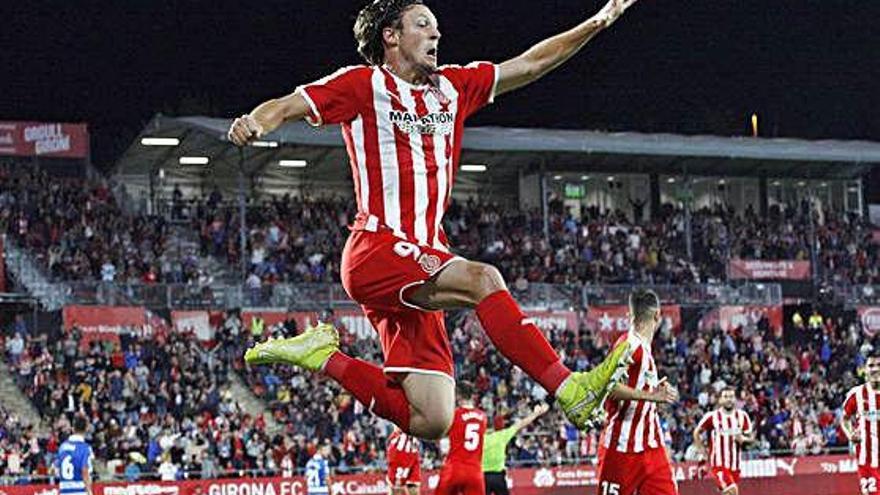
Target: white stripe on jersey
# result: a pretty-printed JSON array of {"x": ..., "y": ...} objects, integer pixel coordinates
[
  {"x": 434, "y": 106},
  {"x": 420, "y": 171},
  {"x": 873, "y": 428},
  {"x": 863, "y": 434},
  {"x": 357, "y": 137},
  {"x": 654, "y": 427},
  {"x": 443, "y": 196},
  {"x": 387, "y": 153}
]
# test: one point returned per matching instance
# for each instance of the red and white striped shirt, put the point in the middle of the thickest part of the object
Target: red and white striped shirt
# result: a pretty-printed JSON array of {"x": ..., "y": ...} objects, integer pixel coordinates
[
  {"x": 723, "y": 429},
  {"x": 403, "y": 141},
  {"x": 402, "y": 454},
  {"x": 634, "y": 426},
  {"x": 862, "y": 401}
]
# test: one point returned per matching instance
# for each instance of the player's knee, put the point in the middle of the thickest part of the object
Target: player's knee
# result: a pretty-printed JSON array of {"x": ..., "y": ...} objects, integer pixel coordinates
[{"x": 485, "y": 279}]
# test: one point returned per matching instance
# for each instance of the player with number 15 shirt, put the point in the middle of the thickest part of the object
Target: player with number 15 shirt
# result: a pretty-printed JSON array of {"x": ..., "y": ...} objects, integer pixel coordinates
[{"x": 462, "y": 472}]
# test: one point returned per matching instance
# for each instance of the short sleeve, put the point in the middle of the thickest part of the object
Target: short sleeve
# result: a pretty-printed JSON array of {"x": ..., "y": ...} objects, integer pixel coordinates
[
  {"x": 747, "y": 423},
  {"x": 338, "y": 97},
  {"x": 706, "y": 423},
  {"x": 507, "y": 434},
  {"x": 476, "y": 84},
  {"x": 849, "y": 405}
]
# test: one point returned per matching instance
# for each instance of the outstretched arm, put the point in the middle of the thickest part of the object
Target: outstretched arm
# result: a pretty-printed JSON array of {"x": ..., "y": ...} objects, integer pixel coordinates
[
  {"x": 267, "y": 117},
  {"x": 537, "y": 413},
  {"x": 665, "y": 393},
  {"x": 552, "y": 52}
]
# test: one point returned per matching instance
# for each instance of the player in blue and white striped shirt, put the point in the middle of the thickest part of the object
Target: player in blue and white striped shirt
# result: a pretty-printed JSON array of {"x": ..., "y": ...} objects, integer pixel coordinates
[
  {"x": 74, "y": 462},
  {"x": 318, "y": 472}
]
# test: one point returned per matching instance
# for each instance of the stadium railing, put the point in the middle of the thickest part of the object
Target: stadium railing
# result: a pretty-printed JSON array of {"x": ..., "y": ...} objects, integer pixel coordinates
[{"x": 316, "y": 296}]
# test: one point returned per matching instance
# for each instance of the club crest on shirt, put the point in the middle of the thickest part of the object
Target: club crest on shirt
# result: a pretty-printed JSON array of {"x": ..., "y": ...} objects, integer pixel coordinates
[{"x": 432, "y": 123}]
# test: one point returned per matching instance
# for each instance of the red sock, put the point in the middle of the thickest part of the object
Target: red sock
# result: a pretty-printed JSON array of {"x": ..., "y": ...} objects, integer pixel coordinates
[
  {"x": 369, "y": 385},
  {"x": 520, "y": 340}
]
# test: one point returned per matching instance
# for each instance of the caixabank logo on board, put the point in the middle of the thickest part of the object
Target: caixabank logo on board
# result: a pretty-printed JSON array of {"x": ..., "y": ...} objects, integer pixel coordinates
[{"x": 544, "y": 478}]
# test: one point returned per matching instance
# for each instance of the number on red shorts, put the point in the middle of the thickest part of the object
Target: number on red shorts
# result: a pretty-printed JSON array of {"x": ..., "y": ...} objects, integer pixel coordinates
[
  {"x": 609, "y": 488},
  {"x": 407, "y": 250},
  {"x": 869, "y": 485}
]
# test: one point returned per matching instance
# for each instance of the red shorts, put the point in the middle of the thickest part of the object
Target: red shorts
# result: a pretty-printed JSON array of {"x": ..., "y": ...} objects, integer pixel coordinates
[
  {"x": 378, "y": 269},
  {"x": 646, "y": 472},
  {"x": 460, "y": 479},
  {"x": 725, "y": 478},
  {"x": 399, "y": 475},
  {"x": 869, "y": 480}
]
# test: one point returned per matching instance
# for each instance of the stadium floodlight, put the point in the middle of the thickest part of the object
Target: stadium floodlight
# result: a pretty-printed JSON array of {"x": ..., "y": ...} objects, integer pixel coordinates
[
  {"x": 473, "y": 168},
  {"x": 671, "y": 180},
  {"x": 264, "y": 144},
  {"x": 161, "y": 173},
  {"x": 160, "y": 141},
  {"x": 557, "y": 177},
  {"x": 292, "y": 163},
  {"x": 611, "y": 178},
  {"x": 721, "y": 182},
  {"x": 194, "y": 160},
  {"x": 585, "y": 177},
  {"x": 776, "y": 183}
]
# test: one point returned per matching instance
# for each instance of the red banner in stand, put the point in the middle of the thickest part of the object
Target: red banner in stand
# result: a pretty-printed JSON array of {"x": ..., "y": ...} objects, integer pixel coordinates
[
  {"x": 769, "y": 270},
  {"x": 870, "y": 318},
  {"x": 104, "y": 322},
  {"x": 609, "y": 322},
  {"x": 49, "y": 139},
  {"x": 829, "y": 475}
]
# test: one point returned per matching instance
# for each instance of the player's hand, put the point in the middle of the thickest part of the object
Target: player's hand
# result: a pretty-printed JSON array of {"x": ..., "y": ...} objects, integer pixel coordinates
[
  {"x": 666, "y": 393},
  {"x": 855, "y": 438},
  {"x": 541, "y": 408},
  {"x": 244, "y": 129},
  {"x": 613, "y": 10}
]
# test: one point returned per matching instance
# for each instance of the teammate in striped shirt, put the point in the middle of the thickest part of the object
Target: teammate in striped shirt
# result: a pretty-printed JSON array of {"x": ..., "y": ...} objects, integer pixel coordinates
[
  {"x": 74, "y": 461},
  {"x": 728, "y": 429},
  {"x": 402, "y": 118},
  {"x": 863, "y": 405},
  {"x": 404, "y": 472},
  {"x": 462, "y": 472},
  {"x": 632, "y": 457}
]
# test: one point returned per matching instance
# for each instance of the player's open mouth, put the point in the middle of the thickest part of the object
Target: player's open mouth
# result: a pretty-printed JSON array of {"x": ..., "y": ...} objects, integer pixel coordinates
[{"x": 432, "y": 53}]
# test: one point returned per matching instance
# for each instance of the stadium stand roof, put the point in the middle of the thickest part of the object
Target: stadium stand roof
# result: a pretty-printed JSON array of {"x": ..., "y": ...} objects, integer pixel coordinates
[{"x": 506, "y": 151}]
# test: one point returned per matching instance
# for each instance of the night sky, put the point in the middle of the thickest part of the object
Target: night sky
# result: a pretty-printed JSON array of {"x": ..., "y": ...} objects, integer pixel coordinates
[{"x": 809, "y": 68}]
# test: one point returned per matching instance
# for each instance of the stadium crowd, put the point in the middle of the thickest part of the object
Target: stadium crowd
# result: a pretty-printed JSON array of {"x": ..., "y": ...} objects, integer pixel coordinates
[
  {"x": 77, "y": 230},
  {"x": 179, "y": 417}
]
